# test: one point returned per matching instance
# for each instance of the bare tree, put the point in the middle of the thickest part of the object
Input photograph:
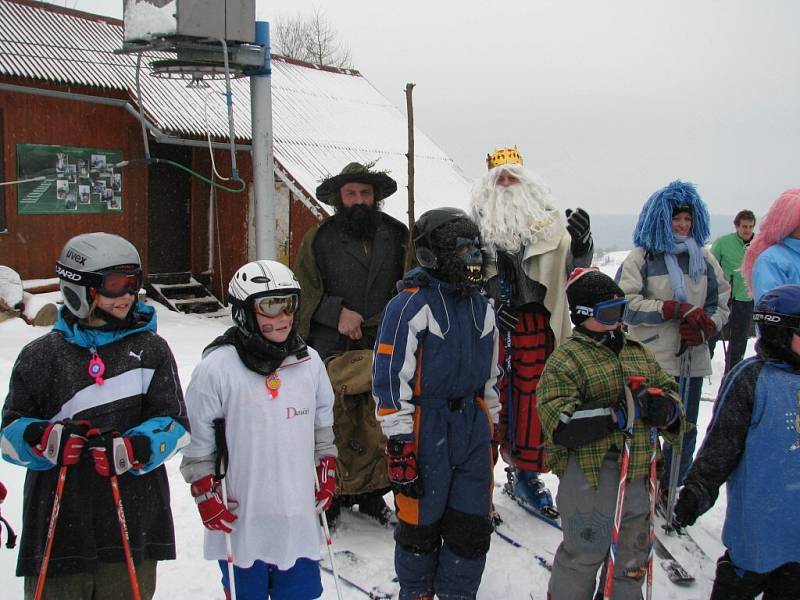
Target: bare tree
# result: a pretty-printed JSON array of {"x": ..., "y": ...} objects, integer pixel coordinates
[{"x": 311, "y": 38}]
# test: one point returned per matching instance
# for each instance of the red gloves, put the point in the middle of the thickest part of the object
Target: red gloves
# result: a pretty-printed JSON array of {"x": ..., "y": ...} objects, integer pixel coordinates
[
  {"x": 672, "y": 309},
  {"x": 403, "y": 466},
  {"x": 208, "y": 497},
  {"x": 12, "y": 537},
  {"x": 697, "y": 328},
  {"x": 61, "y": 442},
  {"x": 125, "y": 452},
  {"x": 326, "y": 475}
]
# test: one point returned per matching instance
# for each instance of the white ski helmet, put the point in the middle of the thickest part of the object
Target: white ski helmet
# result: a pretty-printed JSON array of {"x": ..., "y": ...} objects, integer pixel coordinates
[
  {"x": 255, "y": 280},
  {"x": 85, "y": 260}
]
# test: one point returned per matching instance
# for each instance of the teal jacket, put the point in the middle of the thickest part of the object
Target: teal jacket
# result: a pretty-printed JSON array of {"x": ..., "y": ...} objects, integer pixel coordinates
[{"x": 729, "y": 251}]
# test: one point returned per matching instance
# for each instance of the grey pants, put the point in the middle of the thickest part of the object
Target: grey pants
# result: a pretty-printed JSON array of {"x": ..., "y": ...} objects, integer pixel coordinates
[
  {"x": 110, "y": 582},
  {"x": 588, "y": 516}
]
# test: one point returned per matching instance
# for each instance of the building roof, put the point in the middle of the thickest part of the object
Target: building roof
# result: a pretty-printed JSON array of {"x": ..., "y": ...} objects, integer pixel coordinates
[{"x": 323, "y": 118}]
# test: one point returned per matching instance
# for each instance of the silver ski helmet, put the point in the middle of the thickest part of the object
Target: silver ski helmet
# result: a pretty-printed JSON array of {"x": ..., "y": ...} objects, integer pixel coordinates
[
  {"x": 258, "y": 279},
  {"x": 777, "y": 318},
  {"x": 87, "y": 262}
]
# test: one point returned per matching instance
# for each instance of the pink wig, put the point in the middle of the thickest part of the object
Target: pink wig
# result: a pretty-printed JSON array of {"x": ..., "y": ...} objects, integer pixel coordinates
[{"x": 782, "y": 218}]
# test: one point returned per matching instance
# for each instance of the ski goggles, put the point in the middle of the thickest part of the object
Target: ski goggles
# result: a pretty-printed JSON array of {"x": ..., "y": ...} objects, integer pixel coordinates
[
  {"x": 112, "y": 283},
  {"x": 778, "y": 319},
  {"x": 607, "y": 312},
  {"x": 272, "y": 306}
]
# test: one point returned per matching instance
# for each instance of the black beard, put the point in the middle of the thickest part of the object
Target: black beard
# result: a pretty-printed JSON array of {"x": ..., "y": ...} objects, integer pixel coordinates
[{"x": 359, "y": 221}]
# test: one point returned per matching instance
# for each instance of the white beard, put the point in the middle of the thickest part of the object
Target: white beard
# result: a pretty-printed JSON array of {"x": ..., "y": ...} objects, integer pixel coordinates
[{"x": 519, "y": 215}]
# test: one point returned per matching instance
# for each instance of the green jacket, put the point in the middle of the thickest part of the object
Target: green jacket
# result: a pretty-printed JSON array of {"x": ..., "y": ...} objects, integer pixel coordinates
[
  {"x": 583, "y": 370},
  {"x": 729, "y": 251}
]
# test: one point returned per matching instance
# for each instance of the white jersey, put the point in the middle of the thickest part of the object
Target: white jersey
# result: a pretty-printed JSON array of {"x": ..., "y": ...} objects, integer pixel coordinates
[{"x": 271, "y": 452}]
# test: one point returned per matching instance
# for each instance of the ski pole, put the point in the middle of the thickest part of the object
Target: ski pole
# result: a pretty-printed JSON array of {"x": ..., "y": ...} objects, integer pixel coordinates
[
  {"x": 635, "y": 382},
  {"x": 505, "y": 296},
  {"x": 51, "y": 530},
  {"x": 623, "y": 478},
  {"x": 326, "y": 533},
  {"x": 219, "y": 475},
  {"x": 126, "y": 544},
  {"x": 677, "y": 451}
]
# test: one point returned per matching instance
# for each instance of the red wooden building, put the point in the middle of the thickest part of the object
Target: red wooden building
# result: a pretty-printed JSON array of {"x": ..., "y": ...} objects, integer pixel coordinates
[{"x": 69, "y": 110}]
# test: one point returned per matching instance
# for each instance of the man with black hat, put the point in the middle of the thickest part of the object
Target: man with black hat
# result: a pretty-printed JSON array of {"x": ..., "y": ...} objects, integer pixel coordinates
[
  {"x": 348, "y": 266},
  {"x": 588, "y": 418}
]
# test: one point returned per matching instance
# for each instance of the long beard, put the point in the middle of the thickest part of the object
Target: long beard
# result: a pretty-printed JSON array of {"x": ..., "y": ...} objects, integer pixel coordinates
[
  {"x": 359, "y": 221},
  {"x": 521, "y": 214}
]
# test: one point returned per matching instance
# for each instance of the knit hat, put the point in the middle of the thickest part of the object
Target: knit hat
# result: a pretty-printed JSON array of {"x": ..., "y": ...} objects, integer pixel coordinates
[{"x": 585, "y": 289}]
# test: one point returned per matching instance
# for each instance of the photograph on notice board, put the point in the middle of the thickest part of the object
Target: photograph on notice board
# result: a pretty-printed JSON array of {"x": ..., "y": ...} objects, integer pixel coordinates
[
  {"x": 68, "y": 180},
  {"x": 84, "y": 193}
]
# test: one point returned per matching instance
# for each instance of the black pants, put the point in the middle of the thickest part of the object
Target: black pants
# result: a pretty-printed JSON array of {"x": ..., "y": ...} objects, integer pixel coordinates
[
  {"x": 781, "y": 584},
  {"x": 738, "y": 330}
]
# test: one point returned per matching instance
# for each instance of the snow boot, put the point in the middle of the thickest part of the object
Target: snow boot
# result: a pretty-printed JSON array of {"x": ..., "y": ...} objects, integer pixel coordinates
[
  {"x": 373, "y": 506},
  {"x": 528, "y": 488}
]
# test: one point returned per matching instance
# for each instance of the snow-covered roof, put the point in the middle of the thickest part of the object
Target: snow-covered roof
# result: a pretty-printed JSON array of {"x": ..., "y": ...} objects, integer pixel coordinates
[{"x": 323, "y": 118}]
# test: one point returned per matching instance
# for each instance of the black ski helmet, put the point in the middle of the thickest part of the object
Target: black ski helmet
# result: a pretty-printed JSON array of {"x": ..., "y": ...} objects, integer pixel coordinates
[
  {"x": 427, "y": 223},
  {"x": 777, "y": 317}
]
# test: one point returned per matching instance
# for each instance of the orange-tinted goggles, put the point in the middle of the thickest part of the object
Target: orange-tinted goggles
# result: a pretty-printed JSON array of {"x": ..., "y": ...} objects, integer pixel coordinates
[{"x": 272, "y": 306}]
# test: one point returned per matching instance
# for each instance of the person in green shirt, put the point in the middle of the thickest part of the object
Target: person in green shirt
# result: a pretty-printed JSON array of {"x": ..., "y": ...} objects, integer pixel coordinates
[{"x": 729, "y": 251}]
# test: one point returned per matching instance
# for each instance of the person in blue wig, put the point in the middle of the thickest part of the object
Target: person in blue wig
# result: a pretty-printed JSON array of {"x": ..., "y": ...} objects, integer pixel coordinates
[
  {"x": 98, "y": 396},
  {"x": 677, "y": 297}
]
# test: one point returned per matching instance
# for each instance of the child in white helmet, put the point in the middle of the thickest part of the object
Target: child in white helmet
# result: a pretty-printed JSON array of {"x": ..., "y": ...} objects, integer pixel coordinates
[{"x": 277, "y": 404}]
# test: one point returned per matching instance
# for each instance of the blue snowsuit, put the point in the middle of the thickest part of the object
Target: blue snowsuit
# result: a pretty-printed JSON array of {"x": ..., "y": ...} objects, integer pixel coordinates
[{"x": 434, "y": 377}]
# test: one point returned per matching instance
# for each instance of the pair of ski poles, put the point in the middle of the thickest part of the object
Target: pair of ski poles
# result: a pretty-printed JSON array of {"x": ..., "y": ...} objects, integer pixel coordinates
[
  {"x": 219, "y": 475},
  {"x": 123, "y": 527},
  {"x": 653, "y": 483},
  {"x": 634, "y": 382}
]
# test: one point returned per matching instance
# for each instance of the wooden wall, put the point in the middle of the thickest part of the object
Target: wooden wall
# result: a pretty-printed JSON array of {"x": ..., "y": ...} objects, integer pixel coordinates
[
  {"x": 32, "y": 242},
  {"x": 230, "y": 227},
  {"x": 300, "y": 220}
]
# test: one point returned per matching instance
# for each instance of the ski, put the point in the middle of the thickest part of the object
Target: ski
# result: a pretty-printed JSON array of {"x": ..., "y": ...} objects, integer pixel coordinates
[
  {"x": 375, "y": 593},
  {"x": 686, "y": 541},
  {"x": 675, "y": 571},
  {"x": 506, "y": 538},
  {"x": 549, "y": 515}
]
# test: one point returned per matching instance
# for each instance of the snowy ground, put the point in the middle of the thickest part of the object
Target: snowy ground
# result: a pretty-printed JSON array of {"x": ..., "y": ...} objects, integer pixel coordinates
[{"x": 511, "y": 573}]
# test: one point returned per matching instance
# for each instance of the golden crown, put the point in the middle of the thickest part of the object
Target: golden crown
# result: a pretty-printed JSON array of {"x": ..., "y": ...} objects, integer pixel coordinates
[{"x": 505, "y": 156}]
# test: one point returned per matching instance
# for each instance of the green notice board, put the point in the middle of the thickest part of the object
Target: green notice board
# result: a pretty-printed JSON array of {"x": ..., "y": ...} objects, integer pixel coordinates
[{"x": 71, "y": 180}]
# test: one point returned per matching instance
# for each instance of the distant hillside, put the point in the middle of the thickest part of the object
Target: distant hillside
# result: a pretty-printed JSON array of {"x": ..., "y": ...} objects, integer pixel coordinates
[{"x": 615, "y": 232}]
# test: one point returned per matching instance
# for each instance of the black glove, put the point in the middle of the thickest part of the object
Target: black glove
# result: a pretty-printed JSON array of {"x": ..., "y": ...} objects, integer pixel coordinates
[
  {"x": 655, "y": 409},
  {"x": 578, "y": 227},
  {"x": 507, "y": 318},
  {"x": 687, "y": 508}
]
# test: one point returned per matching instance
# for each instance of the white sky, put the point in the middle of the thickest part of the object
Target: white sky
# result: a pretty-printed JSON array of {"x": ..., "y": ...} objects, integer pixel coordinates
[{"x": 608, "y": 101}]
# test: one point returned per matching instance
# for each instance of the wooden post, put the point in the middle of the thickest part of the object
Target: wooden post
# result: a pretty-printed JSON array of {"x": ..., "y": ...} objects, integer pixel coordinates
[{"x": 410, "y": 157}]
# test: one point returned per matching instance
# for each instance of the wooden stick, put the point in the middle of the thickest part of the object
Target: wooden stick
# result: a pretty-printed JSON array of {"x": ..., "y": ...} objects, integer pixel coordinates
[{"x": 410, "y": 186}]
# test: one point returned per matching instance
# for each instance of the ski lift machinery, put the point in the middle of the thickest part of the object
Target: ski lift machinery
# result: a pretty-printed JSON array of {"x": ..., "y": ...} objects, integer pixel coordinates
[{"x": 200, "y": 40}]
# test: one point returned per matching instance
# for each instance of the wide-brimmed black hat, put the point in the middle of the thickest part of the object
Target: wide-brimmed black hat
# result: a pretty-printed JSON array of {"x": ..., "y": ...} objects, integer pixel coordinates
[{"x": 382, "y": 184}]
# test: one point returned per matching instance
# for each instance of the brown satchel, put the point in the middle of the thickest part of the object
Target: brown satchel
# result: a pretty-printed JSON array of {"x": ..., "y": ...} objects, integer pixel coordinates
[{"x": 361, "y": 464}]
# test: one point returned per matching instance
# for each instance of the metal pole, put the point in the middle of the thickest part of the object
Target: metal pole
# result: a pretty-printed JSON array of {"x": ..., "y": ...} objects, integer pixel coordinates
[{"x": 263, "y": 168}]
